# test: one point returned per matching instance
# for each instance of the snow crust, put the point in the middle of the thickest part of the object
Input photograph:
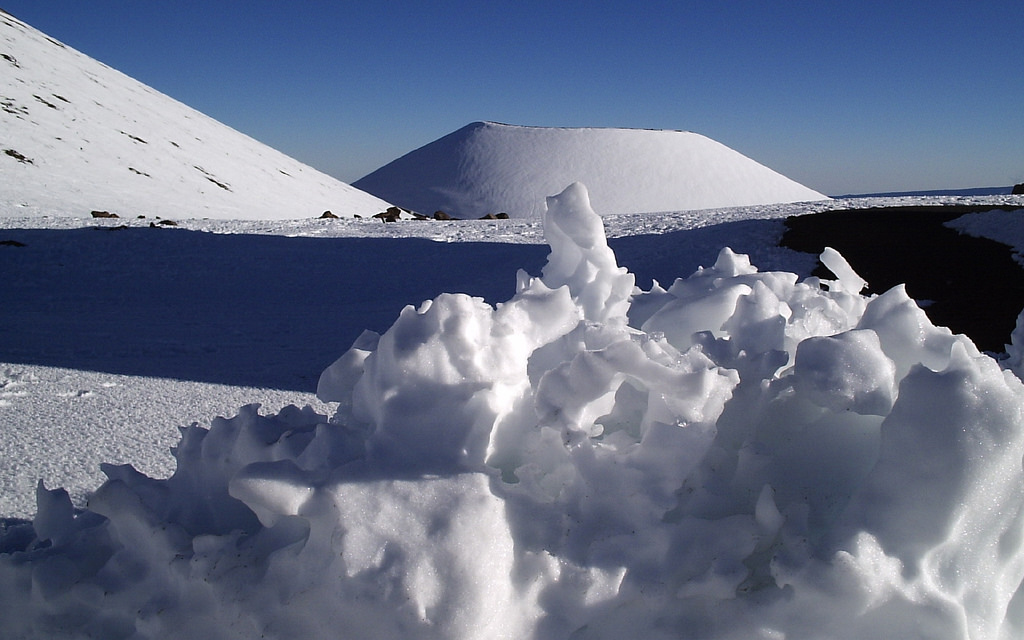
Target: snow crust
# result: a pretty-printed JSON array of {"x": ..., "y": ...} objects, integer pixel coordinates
[
  {"x": 487, "y": 167},
  {"x": 739, "y": 455},
  {"x": 78, "y": 136}
]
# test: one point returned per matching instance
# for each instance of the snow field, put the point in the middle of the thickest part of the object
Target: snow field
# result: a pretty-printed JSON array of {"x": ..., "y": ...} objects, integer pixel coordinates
[{"x": 739, "y": 455}]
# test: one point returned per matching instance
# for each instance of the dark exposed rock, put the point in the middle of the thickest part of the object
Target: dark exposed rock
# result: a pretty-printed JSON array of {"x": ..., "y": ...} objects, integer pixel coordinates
[
  {"x": 974, "y": 285},
  {"x": 168, "y": 223},
  {"x": 1018, "y": 189},
  {"x": 11, "y": 243},
  {"x": 10, "y": 106},
  {"x": 441, "y": 215},
  {"x": 17, "y": 156},
  {"x": 43, "y": 100},
  {"x": 219, "y": 183},
  {"x": 104, "y": 214},
  {"x": 208, "y": 176},
  {"x": 495, "y": 216},
  {"x": 387, "y": 216},
  {"x": 134, "y": 138},
  {"x": 327, "y": 215}
]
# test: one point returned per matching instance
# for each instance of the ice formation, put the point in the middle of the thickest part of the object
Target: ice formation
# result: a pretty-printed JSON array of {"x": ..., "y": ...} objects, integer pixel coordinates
[{"x": 740, "y": 455}]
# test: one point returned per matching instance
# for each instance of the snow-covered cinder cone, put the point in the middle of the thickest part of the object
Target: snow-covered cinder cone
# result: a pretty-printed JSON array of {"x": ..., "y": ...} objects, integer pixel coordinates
[
  {"x": 740, "y": 455},
  {"x": 487, "y": 167}
]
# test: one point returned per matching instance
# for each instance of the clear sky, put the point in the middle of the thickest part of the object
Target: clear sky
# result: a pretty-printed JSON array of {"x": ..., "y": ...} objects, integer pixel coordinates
[{"x": 844, "y": 97}]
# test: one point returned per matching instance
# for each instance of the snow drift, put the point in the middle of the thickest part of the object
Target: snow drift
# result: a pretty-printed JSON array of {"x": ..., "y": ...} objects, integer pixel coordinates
[
  {"x": 740, "y": 455},
  {"x": 77, "y": 136},
  {"x": 486, "y": 167}
]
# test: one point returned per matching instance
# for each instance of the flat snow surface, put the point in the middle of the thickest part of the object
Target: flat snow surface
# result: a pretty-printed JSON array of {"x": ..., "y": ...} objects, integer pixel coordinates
[
  {"x": 77, "y": 136},
  {"x": 173, "y": 325},
  {"x": 487, "y": 167},
  {"x": 104, "y": 319}
]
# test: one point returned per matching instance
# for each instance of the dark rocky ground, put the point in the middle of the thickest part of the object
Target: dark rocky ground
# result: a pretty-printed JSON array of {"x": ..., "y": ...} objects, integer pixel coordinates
[{"x": 971, "y": 285}]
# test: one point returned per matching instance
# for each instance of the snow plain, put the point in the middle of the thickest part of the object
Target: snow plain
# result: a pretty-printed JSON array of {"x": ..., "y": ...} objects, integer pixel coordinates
[{"x": 102, "y": 320}]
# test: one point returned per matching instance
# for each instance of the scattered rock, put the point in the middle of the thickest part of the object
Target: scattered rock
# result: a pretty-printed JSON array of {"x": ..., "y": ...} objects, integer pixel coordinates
[
  {"x": 44, "y": 101},
  {"x": 134, "y": 138},
  {"x": 104, "y": 214},
  {"x": 441, "y": 215},
  {"x": 209, "y": 176},
  {"x": 17, "y": 156},
  {"x": 219, "y": 183},
  {"x": 387, "y": 216},
  {"x": 327, "y": 215},
  {"x": 1018, "y": 189},
  {"x": 10, "y": 106},
  {"x": 168, "y": 223},
  {"x": 495, "y": 216},
  {"x": 11, "y": 243}
]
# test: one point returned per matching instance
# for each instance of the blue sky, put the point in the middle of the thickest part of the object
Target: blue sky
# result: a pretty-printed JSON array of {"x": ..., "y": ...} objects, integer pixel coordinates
[{"x": 845, "y": 97}]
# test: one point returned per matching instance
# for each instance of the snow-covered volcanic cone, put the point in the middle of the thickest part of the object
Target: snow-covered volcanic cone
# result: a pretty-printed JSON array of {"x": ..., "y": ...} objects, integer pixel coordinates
[
  {"x": 77, "y": 136},
  {"x": 486, "y": 167}
]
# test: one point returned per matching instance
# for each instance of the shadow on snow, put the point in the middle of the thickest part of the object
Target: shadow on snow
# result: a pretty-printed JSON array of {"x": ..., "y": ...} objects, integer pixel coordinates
[{"x": 261, "y": 310}]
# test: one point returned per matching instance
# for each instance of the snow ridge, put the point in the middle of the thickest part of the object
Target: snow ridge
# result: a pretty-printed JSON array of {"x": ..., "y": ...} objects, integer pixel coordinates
[
  {"x": 78, "y": 136},
  {"x": 488, "y": 167}
]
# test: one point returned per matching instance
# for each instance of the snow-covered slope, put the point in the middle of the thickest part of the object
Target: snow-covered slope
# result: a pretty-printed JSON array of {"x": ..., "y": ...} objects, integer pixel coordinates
[
  {"x": 486, "y": 167},
  {"x": 77, "y": 136}
]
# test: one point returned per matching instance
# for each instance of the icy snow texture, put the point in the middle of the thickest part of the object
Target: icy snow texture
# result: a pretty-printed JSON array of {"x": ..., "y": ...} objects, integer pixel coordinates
[
  {"x": 486, "y": 167},
  {"x": 91, "y": 138},
  {"x": 741, "y": 455}
]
